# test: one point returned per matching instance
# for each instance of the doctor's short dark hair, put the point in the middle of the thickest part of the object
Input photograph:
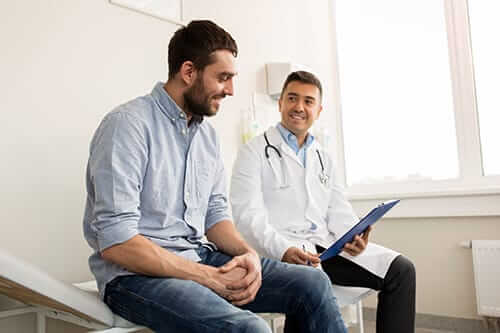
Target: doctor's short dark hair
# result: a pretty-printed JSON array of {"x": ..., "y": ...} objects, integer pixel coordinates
[
  {"x": 196, "y": 42},
  {"x": 304, "y": 77}
]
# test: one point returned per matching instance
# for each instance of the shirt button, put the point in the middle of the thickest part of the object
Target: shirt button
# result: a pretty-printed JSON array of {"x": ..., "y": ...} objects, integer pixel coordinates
[
  {"x": 187, "y": 194},
  {"x": 184, "y": 131}
]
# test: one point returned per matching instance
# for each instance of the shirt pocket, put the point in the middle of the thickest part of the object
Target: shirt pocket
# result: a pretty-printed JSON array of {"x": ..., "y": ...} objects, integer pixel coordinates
[{"x": 157, "y": 198}]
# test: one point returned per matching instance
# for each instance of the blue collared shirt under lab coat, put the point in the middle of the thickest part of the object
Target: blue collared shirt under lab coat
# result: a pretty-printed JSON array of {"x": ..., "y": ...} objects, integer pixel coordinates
[
  {"x": 291, "y": 141},
  {"x": 149, "y": 173}
]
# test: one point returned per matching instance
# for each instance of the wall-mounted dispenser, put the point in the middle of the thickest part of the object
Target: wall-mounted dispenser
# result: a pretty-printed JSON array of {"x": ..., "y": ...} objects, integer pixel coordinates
[{"x": 277, "y": 73}]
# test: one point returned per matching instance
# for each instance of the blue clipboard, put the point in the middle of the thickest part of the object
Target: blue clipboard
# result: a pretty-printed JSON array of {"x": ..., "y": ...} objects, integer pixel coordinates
[{"x": 373, "y": 216}]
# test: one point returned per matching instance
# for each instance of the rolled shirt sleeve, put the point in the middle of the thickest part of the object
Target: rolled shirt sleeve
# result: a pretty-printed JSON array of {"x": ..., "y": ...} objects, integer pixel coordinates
[
  {"x": 218, "y": 206},
  {"x": 117, "y": 164}
]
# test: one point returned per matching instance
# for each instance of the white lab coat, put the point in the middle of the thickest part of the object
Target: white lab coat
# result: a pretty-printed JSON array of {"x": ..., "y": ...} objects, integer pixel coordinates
[{"x": 275, "y": 202}]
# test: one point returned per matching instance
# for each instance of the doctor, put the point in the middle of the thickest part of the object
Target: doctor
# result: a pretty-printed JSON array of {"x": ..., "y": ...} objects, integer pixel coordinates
[{"x": 288, "y": 207}]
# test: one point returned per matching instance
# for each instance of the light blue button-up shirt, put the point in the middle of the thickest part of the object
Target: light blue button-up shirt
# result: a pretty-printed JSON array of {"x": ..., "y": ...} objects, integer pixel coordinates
[
  {"x": 149, "y": 173},
  {"x": 291, "y": 141}
]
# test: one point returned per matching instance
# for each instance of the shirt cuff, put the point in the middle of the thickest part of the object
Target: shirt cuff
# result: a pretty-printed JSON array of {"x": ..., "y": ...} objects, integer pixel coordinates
[
  {"x": 280, "y": 247},
  {"x": 116, "y": 234},
  {"x": 212, "y": 220}
]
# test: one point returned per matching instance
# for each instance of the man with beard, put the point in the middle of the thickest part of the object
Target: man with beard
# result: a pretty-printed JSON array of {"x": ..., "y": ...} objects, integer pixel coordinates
[{"x": 156, "y": 187}]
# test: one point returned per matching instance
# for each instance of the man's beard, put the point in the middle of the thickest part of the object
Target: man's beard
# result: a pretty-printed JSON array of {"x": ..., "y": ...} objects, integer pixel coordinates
[{"x": 197, "y": 101}]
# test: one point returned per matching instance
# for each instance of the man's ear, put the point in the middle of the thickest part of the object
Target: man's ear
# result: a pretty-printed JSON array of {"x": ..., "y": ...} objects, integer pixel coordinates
[
  {"x": 188, "y": 72},
  {"x": 319, "y": 111}
]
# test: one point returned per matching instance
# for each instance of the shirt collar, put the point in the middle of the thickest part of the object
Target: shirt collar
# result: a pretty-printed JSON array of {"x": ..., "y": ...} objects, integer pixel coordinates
[
  {"x": 168, "y": 105},
  {"x": 291, "y": 139}
]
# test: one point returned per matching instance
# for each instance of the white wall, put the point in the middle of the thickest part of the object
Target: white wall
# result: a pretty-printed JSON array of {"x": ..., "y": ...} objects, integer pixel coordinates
[
  {"x": 64, "y": 64},
  {"x": 445, "y": 277}
]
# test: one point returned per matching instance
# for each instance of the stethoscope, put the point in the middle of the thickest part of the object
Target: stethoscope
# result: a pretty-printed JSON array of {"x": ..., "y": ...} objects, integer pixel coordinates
[{"x": 323, "y": 176}]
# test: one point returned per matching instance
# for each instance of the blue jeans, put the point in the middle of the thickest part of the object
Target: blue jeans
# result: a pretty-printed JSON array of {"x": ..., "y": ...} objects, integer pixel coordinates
[{"x": 174, "y": 305}]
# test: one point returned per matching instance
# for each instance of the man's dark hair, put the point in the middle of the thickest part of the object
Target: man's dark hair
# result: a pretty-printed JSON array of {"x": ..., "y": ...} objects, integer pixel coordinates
[
  {"x": 196, "y": 42},
  {"x": 304, "y": 77}
]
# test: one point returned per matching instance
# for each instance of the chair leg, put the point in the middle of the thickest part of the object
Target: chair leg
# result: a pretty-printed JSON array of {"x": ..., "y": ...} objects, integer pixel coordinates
[
  {"x": 273, "y": 326},
  {"x": 40, "y": 322},
  {"x": 359, "y": 316}
]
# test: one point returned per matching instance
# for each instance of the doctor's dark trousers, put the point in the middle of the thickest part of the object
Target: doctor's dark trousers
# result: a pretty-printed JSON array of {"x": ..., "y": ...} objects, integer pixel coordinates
[{"x": 396, "y": 297}]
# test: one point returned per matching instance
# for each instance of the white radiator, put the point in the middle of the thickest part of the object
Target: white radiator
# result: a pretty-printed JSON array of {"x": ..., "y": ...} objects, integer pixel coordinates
[{"x": 486, "y": 261}]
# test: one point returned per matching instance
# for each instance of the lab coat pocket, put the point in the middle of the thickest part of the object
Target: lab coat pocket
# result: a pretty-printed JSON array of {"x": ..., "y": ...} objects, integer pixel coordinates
[
  {"x": 283, "y": 197},
  {"x": 279, "y": 175}
]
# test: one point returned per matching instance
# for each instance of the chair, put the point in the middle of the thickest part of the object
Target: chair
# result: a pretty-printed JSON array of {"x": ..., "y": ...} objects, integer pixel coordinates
[{"x": 349, "y": 300}]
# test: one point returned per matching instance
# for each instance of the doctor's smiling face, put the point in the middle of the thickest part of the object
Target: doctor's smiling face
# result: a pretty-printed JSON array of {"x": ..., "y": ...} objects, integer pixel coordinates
[{"x": 300, "y": 106}]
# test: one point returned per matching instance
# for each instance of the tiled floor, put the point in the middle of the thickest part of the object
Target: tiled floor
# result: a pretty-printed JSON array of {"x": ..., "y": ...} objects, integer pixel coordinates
[{"x": 370, "y": 328}]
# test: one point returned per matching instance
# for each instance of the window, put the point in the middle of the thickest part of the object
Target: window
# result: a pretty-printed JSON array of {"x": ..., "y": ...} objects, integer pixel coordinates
[
  {"x": 395, "y": 91},
  {"x": 484, "y": 32},
  {"x": 417, "y": 121}
]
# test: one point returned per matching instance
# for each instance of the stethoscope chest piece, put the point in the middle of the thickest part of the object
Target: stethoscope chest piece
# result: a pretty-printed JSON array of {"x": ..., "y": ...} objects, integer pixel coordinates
[{"x": 323, "y": 178}]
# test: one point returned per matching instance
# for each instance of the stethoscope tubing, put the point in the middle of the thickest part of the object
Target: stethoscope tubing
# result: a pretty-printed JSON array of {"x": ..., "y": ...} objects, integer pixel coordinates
[{"x": 270, "y": 146}]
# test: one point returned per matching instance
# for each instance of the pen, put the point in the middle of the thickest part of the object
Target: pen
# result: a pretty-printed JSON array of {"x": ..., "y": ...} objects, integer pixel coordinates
[{"x": 304, "y": 249}]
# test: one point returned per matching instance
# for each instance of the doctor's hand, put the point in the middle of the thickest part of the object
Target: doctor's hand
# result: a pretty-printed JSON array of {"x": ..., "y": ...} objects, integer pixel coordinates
[
  {"x": 294, "y": 255},
  {"x": 244, "y": 288},
  {"x": 359, "y": 243}
]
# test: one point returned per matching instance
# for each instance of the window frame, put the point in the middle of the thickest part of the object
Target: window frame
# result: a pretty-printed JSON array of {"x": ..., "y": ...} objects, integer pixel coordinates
[{"x": 472, "y": 193}]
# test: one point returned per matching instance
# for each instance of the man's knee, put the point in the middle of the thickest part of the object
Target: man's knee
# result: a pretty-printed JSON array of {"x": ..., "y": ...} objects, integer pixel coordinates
[
  {"x": 314, "y": 284},
  {"x": 404, "y": 269},
  {"x": 253, "y": 324},
  {"x": 322, "y": 282},
  {"x": 408, "y": 268}
]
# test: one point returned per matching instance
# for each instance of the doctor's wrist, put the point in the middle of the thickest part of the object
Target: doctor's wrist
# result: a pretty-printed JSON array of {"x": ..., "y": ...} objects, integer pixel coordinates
[{"x": 289, "y": 254}]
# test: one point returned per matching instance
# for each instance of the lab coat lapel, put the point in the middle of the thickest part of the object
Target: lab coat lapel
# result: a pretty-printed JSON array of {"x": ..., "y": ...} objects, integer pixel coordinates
[
  {"x": 283, "y": 147},
  {"x": 276, "y": 163},
  {"x": 312, "y": 161}
]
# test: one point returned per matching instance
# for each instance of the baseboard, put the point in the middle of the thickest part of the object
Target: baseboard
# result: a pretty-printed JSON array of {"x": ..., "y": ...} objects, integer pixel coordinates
[{"x": 458, "y": 325}]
